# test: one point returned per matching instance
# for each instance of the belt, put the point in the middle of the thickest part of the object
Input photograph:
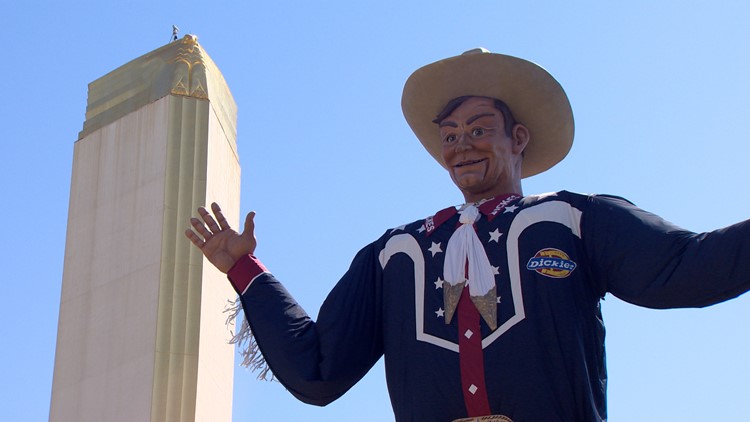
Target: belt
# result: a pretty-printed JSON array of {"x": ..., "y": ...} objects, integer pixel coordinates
[{"x": 489, "y": 418}]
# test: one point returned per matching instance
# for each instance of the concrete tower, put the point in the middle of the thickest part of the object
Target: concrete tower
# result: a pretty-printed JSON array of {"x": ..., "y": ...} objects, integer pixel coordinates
[{"x": 142, "y": 332}]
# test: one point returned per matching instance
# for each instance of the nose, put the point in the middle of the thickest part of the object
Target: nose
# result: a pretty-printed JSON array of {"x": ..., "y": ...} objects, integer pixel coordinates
[{"x": 463, "y": 142}]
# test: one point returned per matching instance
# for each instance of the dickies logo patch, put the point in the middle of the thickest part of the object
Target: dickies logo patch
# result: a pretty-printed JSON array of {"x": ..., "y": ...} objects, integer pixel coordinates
[{"x": 552, "y": 263}]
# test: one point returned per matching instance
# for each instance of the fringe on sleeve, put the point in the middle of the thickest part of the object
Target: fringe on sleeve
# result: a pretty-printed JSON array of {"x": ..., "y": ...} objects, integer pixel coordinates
[{"x": 252, "y": 357}]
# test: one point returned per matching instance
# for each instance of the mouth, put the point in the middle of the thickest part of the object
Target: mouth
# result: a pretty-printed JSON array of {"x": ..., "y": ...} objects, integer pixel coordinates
[{"x": 468, "y": 163}]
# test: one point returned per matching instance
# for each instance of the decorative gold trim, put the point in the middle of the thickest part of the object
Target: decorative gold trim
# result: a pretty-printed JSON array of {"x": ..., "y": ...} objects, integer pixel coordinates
[
  {"x": 487, "y": 307},
  {"x": 451, "y": 296},
  {"x": 181, "y": 68},
  {"x": 189, "y": 78},
  {"x": 489, "y": 418}
]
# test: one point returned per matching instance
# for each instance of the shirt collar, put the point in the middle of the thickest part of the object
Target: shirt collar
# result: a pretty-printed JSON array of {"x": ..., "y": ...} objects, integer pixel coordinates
[{"x": 490, "y": 208}]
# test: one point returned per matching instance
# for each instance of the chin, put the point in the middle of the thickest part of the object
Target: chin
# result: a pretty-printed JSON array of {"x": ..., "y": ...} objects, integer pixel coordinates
[
  {"x": 468, "y": 182},
  {"x": 474, "y": 194}
]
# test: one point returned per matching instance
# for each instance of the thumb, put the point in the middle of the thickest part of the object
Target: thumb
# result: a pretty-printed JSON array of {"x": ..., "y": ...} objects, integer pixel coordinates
[
  {"x": 250, "y": 224},
  {"x": 249, "y": 233}
]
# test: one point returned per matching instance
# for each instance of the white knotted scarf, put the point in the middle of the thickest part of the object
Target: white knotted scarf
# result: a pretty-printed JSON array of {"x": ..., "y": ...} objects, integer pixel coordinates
[{"x": 465, "y": 247}]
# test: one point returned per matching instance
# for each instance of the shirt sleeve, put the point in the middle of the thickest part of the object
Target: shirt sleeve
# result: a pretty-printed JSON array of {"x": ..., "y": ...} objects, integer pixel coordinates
[
  {"x": 645, "y": 260},
  {"x": 244, "y": 272},
  {"x": 317, "y": 361}
]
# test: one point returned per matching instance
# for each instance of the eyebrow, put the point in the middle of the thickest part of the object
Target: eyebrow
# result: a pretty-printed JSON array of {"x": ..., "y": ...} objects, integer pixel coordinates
[{"x": 471, "y": 120}]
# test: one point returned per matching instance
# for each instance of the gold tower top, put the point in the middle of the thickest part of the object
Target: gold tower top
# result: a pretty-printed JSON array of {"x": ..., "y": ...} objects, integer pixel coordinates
[{"x": 178, "y": 68}]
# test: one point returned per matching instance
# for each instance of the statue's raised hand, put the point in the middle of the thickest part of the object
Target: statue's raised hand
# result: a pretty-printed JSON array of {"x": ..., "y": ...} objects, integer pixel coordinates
[{"x": 218, "y": 242}]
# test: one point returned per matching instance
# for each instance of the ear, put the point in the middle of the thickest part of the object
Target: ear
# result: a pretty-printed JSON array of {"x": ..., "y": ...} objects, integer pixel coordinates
[{"x": 521, "y": 138}]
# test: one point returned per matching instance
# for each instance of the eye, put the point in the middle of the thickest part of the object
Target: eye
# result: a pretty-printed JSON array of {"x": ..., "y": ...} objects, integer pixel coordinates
[
  {"x": 477, "y": 131},
  {"x": 449, "y": 138}
]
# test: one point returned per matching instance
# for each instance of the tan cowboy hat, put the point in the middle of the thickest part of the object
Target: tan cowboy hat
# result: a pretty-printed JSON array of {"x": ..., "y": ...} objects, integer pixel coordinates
[{"x": 535, "y": 98}]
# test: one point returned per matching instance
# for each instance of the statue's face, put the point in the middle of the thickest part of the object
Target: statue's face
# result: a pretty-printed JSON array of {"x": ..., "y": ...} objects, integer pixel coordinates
[{"x": 483, "y": 161}]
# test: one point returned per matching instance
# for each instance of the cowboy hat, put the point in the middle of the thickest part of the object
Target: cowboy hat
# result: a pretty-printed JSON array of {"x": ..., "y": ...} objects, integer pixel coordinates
[{"x": 534, "y": 97}]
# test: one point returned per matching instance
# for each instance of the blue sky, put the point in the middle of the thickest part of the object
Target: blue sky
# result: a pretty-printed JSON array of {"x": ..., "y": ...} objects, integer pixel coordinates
[{"x": 659, "y": 92}]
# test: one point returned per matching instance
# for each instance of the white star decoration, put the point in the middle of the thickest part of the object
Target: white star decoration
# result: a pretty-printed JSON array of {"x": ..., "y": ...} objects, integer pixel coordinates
[
  {"x": 495, "y": 236},
  {"x": 402, "y": 227},
  {"x": 421, "y": 228},
  {"x": 511, "y": 208},
  {"x": 440, "y": 313},
  {"x": 498, "y": 299},
  {"x": 435, "y": 248},
  {"x": 439, "y": 284},
  {"x": 495, "y": 270}
]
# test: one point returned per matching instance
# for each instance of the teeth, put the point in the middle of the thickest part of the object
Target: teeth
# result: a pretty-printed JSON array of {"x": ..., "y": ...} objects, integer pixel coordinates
[{"x": 466, "y": 163}]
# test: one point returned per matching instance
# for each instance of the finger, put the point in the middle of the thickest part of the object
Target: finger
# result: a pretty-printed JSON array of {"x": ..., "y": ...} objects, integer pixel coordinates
[
  {"x": 220, "y": 216},
  {"x": 209, "y": 219},
  {"x": 194, "y": 238},
  {"x": 250, "y": 223},
  {"x": 249, "y": 232},
  {"x": 200, "y": 228}
]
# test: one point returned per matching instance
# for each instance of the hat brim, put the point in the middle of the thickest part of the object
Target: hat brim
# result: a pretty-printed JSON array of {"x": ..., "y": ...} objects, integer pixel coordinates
[{"x": 535, "y": 98}]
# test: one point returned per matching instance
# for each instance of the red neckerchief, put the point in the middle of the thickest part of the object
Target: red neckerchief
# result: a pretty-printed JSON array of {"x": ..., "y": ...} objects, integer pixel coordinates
[{"x": 490, "y": 209}]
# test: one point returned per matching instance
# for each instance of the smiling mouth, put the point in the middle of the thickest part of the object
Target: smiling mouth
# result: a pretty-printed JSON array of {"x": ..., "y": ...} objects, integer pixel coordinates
[{"x": 469, "y": 162}]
